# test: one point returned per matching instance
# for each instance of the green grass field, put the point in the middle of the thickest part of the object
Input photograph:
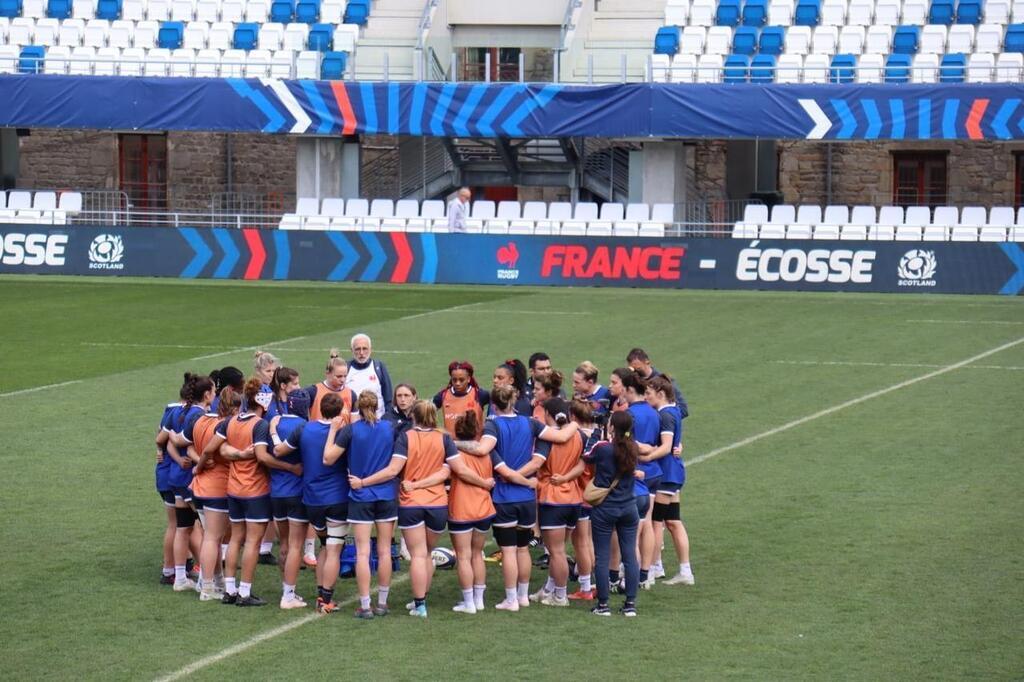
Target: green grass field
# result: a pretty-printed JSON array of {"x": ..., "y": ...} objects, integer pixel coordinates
[{"x": 878, "y": 541}]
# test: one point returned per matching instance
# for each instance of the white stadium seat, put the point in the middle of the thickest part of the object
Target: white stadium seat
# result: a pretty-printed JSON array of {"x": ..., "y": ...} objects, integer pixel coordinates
[{"x": 638, "y": 212}]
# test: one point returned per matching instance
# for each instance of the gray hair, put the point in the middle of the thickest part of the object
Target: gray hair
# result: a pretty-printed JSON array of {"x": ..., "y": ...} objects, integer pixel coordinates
[{"x": 358, "y": 336}]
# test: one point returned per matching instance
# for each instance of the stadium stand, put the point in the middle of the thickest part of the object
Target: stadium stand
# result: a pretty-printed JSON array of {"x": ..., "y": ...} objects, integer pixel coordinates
[{"x": 45, "y": 208}]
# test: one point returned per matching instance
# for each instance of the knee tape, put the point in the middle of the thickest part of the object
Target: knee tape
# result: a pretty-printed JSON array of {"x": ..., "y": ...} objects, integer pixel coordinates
[
  {"x": 505, "y": 537},
  {"x": 185, "y": 516},
  {"x": 336, "y": 534},
  {"x": 523, "y": 537},
  {"x": 660, "y": 512}
]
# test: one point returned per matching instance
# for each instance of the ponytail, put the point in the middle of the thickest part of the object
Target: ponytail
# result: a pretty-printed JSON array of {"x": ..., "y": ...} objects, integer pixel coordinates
[
  {"x": 367, "y": 406},
  {"x": 282, "y": 376},
  {"x": 558, "y": 410},
  {"x": 467, "y": 426},
  {"x": 229, "y": 402},
  {"x": 625, "y": 447},
  {"x": 424, "y": 414}
]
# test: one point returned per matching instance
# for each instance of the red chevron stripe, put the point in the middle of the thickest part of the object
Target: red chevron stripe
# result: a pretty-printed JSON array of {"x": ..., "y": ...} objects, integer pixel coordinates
[
  {"x": 974, "y": 119},
  {"x": 258, "y": 254},
  {"x": 345, "y": 107},
  {"x": 401, "y": 272}
]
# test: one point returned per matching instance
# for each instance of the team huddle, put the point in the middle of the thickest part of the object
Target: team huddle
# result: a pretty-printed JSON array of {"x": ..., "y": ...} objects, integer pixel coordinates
[{"x": 352, "y": 456}]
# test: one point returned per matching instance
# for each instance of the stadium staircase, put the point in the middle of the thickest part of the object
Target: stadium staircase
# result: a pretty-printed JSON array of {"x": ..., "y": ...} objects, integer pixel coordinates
[
  {"x": 391, "y": 33},
  {"x": 617, "y": 28}
]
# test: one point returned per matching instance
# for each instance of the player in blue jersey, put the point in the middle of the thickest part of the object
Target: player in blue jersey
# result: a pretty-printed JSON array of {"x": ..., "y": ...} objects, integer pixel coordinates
[
  {"x": 325, "y": 496},
  {"x": 585, "y": 387},
  {"x": 668, "y": 454},
  {"x": 163, "y": 488},
  {"x": 509, "y": 440},
  {"x": 400, "y": 412},
  {"x": 638, "y": 360},
  {"x": 373, "y": 500},
  {"x": 179, "y": 475}
]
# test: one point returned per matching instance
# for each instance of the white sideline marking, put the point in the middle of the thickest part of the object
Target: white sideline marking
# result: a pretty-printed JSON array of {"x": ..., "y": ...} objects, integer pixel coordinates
[
  {"x": 850, "y": 403},
  {"x": 39, "y": 388},
  {"x": 844, "y": 363},
  {"x": 196, "y": 347},
  {"x": 967, "y": 321}
]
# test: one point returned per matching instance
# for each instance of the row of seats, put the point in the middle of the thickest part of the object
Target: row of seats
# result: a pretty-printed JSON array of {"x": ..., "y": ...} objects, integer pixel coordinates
[
  {"x": 569, "y": 229},
  {"x": 777, "y": 40},
  {"x": 900, "y": 233},
  {"x": 842, "y": 68},
  {"x": 184, "y": 63},
  {"x": 280, "y": 11},
  {"x": 171, "y": 35},
  {"x": 839, "y": 12},
  {"x": 20, "y": 199}
]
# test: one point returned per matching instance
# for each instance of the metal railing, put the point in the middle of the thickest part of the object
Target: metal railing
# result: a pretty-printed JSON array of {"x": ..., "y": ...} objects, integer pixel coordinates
[{"x": 711, "y": 217}]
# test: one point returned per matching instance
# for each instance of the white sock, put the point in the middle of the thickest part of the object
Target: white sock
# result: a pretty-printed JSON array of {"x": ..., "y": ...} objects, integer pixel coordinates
[
  {"x": 510, "y": 594},
  {"x": 168, "y": 570},
  {"x": 524, "y": 590},
  {"x": 229, "y": 586},
  {"x": 364, "y": 602},
  {"x": 179, "y": 574},
  {"x": 560, "y": 592},
  {"x": 585, "y": 583},
  {"x": 478, "y": 595},
  {"x": 684, "y": 568},
  {"x": 549, "y": 586},
  {"x": 244, "y": 589},
  {"x": 382, "y": 595},
  {"x": 288, "y": 590},
  {"x": 469, "y": 597},
  {"x": 309, "y": 547},
  {"x": 266, "y": 547}
]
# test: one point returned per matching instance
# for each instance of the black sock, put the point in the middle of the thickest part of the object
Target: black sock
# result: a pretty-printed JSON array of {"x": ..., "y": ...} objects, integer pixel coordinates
[
  {"x": 613, "y": 576},
  {"x": 320, "y": 591},
  {"x": 328, "y": 594},
  {"x": 629, "y": 604},
  {"x": 643, "y": 575},
  {"x": 420, "y": 601}
]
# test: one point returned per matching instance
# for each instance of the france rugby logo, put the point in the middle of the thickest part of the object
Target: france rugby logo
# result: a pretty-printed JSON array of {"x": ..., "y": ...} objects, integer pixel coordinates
[
  {"x": 106, "y": 252},
  {"x": 917, "y": 268}
]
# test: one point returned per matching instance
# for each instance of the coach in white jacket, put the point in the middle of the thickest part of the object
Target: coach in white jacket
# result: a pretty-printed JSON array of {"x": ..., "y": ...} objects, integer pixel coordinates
[
  {"x": 458, "y": 210},
  {"x": 365, "y": 373}
]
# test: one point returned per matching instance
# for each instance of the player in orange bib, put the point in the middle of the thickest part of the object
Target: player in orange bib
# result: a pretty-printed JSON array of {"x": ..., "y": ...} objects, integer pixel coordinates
[
  {"x": 334, "y": 382},
  {"x": 462, "y": 394}
]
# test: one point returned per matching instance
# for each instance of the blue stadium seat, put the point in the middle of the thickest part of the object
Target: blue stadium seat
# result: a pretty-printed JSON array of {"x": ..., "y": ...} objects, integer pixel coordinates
[
  {"x": 808, "y": 13},
  {"x": 170, "y": 35},
  {"x": 941, "y": 12},
  {"x": 755, "y": 13},
  {"x": 968, "y": 12},
  {"x": 332, "y": 67},
  {"x": 58, "y": 9},
  {"x": 245, "y": 36},
  {"x": 31, "y": 59},
  {"x": 737, "y": 68},
  {"x": 10, "y": 8},
  {"x": 357, "y": 11},
  {"x": 1014, "y": 41},
  {"x": 772, "y": 40},
  {"x": 843, "y": 69},
  {"x": 109, "y": 10},
  {"x": 728, "y": 13},
  {"x": 744, "y": 40},
  {"x": 667, "y": 40},
  {"x": 762, "y": 68},
  {"x": 952, "y": 68},
  {"x": 307, "y": 11},
  {"x": 897, "y": 68},
  {"x": 906, "y": 39},
  {"x": 282, "y": 11},
  {"x": 321, "y": 37}
]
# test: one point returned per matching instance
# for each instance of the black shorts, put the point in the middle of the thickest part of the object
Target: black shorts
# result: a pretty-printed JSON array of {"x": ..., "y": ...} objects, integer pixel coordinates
[
  {"x": 167, "y": 496},
  {"x": 669, "y": 488},
  {"x": 182, "y": 493},
  {"x": 208, "y": 504},
  {"x": 555, "y": 516},
  {"x": 254, "y": 509},
  {"x": 653, "y": 484},
  {"x": 481, "y": 526},
  {"x": 435, "y": 518},
  {"x": 643, "y": 503},
  {"x": 336, "y": 514},
  {"x": 515, "y": 514},
  {"x": 585, "y": 512},
  {"x": 372, "y": 512},
  {"x": 289, "y": 509}
]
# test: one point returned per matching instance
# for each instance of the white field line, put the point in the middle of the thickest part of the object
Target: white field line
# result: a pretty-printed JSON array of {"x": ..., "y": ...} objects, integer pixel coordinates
[
  {"x": 850, "y": 403},
  {"x": 103, "y": 344},
  {"x": 39, "y": 388},
  {"x": 968, "y": 321},
  {"x": 844, "y": 363}
]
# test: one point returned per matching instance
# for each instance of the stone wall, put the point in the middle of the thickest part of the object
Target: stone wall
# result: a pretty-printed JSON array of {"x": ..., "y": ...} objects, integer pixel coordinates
[
  {"x": 709, "y": 169},
  {"x": 59, "y": 159}
]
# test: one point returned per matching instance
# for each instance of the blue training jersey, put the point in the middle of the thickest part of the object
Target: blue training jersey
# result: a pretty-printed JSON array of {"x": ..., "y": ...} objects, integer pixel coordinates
[
  {"x": 177, "y": 419},
  {"x": 285, "y": 483},
  {"x": 163, "y": 467},
  {"x": 369, "y": 448},
  {"x": 672, "y": 469},
  {"x": 322, "y": 485},
  {"x": 514, "y": 436},
  {"x": 646, "y": 429}
]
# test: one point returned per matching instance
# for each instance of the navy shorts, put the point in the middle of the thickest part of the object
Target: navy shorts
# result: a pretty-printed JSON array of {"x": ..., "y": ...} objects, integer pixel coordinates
[
  {"x": 435, "y": 518},
  {"x": 289, "y": 509},
  {"x": 371, "y": 512},
  {"x": 318, "y": 517},
  {"x": 167, "y": 496},
  {"x": 643, "y": 503},
  {"x": 208, "y": 504},
  {"x": 585, "y": 512},
  {"x": 481, "y": 526},
  {"x": 555, "y": 516},
  {"x": 182, "y": 493},
  {"x": 518, "y": 514},
  {"x": 669, "y": 488},
  {"x": 254, "y": 509},
  {"x": 653, "y": 484}
]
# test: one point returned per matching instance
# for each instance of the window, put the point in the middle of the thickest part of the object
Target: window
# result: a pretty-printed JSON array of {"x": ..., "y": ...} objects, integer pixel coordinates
[
  {"x": 919, "y": 179},
  {"x": 1018, "y": 180},
  {"x": 142, "y": 162}
]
